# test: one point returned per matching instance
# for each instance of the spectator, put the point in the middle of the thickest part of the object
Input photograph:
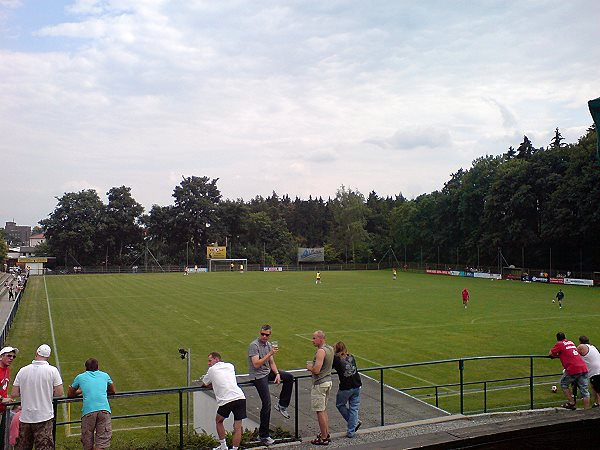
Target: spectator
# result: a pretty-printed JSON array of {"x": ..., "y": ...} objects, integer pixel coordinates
[
  {"x": 36, "y": 384},
  {"x": 591, "y": 356},
  {"x": 229, "y": 396},
  {"x": 13, "y": 432},
  {"x": 575, "y": 370},
  {"x": 348, "y": 397},
  {"x": 7, "y": 356},
  {"x": 94, "y": 385},
  {"x": 320, "y": 367},
  {"x": 262, "y": 370}
]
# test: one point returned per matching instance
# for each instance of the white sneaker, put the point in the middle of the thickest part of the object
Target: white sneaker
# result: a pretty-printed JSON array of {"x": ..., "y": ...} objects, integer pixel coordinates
[
  {"x": 283, "y": 410},
  {"x": 267, "y": 440}
]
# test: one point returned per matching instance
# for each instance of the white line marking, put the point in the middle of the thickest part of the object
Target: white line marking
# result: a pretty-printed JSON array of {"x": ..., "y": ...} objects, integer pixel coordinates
[
  {"x": 54, "y": 346},
  {"x": 379, "y": 364},
  {"x": 403, "y": 373}
]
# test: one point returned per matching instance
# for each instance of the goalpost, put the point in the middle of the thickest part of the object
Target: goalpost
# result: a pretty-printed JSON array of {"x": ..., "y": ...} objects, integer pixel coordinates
[{"x": 224, "y": 264}]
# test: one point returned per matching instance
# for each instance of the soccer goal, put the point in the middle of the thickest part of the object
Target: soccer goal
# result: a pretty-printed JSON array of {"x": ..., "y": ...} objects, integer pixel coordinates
[{"x": 227, "y": 265}]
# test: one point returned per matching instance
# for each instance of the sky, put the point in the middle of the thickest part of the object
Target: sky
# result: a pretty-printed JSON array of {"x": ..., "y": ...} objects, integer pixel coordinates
[{"x": 297, "y": 97}]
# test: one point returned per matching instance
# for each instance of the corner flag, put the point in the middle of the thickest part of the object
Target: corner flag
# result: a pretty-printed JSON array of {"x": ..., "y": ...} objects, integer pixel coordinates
[{"x": 594, "y": 106}]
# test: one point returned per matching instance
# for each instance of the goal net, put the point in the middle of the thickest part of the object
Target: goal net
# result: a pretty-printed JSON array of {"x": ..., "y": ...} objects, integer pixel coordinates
[{"x": 227, "y": 265}]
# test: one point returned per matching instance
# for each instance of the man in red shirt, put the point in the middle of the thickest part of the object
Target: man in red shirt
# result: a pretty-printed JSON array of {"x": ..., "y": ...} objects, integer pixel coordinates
[
  {"x": 7, "y": 355},
  {"x": 465, "y": 297},
  {"x": 575, "y": 370}
]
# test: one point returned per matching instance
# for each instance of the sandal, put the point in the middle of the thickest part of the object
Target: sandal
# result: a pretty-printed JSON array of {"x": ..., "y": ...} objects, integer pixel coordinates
[
  {"x": 569, "y": 406},
  {"x": 321, "y": 441}
]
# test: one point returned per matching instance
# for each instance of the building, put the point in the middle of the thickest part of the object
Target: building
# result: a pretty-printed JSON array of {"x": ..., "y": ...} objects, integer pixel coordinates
[
  {"x": 17, "y": 234},
  {"x": 36, "y": 239}
]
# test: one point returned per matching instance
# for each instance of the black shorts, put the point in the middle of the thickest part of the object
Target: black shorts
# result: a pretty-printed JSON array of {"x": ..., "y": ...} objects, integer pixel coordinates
[
  {"x": 595, "y": 381},
  {"x": 238, "y": 407}
]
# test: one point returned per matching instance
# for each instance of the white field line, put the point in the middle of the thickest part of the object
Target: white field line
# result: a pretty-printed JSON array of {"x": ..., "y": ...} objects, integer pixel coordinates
[
  {"x": 54, "y": 346},
  {"x": 379, "y": 364}
]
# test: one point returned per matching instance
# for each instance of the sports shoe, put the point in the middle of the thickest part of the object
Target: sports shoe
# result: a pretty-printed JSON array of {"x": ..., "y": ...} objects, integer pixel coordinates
[
  {"x": 268, "y": 440},
  {"x": 569, "y": 406},
  {"x": 283, "y": 410}
]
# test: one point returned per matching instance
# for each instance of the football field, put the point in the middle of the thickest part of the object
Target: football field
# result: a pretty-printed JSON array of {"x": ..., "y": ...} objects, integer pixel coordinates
[{"x": 134, "y": 325}]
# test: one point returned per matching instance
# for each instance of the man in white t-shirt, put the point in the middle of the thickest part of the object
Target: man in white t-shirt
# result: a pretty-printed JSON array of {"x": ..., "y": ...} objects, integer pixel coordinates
[
  {"x": 591, "y": 356},
  {"x": 36, "y": 384},
  {"x": 230, "y": 398}
]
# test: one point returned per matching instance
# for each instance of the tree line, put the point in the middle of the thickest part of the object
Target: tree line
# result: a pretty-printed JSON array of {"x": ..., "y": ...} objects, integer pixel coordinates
[{"x": 536, "y": 207}]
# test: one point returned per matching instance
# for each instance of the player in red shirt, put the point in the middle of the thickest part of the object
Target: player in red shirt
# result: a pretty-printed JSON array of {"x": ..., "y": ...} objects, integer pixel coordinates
[
  {"x": 465, "y": 297},
  {"x": 575, "y": 370}
]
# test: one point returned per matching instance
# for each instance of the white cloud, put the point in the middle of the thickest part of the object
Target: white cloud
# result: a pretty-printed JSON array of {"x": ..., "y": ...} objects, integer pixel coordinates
[{"x": 293, "y": 97}]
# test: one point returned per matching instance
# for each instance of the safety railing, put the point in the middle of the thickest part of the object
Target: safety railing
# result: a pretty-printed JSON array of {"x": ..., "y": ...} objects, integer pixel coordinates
[{"x": 529, "y": 382}]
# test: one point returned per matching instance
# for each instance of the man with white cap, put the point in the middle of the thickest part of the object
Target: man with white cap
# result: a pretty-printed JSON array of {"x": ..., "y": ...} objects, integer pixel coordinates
[
  {"x": 36, "y": 384},
  {"x": 7, "y": 355}
]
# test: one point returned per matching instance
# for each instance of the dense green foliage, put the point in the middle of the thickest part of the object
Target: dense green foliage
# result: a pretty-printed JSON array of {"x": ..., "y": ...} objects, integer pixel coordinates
[{"x": 540, "y": 206}]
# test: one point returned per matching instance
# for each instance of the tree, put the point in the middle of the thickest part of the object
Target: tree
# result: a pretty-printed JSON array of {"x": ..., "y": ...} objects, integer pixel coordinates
[
  {"x": 3, "y": 245},
  {"x": 74, "y": 229},
  {"x": 525, "y": 149},
  {"x": 557, "y": 141},
  {"x": 121, "y": 222},
  {"x": 196, "y": 201},
  {"x": 349, "y": 220}
]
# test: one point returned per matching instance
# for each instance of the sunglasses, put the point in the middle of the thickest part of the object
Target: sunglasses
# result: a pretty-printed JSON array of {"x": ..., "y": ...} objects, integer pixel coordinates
[{"x": 265, "y": 334}]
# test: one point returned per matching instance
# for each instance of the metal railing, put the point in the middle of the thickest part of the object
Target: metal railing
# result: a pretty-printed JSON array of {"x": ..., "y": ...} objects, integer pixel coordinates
[{"x": 381, "y": 370}]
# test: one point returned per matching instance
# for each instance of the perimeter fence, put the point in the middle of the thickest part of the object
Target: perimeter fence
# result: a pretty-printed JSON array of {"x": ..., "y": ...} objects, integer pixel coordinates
[{"x": 475, "y": 392}]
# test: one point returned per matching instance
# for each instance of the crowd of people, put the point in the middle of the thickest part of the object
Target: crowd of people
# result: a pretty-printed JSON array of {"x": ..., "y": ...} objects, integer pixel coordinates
[
  {"x": 16, "y": 282},
  {"x": 263, "y": 370},
  {"x": 35, "y": 385}
]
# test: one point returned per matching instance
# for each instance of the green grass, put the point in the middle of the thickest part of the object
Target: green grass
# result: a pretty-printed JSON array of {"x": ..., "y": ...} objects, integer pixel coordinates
[{"x": 134, "y": 324}]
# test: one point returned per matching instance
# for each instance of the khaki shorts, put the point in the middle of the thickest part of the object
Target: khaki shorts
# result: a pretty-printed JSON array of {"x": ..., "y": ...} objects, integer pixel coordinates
[
  {"x": 38, "y": 434},
  {"x": 100, "y": 423},
  {"x": 319, "y": 395}
]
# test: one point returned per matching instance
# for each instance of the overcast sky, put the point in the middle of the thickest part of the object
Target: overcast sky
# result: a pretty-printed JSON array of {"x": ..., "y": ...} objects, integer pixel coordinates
[{"x": 297, "y": 97}]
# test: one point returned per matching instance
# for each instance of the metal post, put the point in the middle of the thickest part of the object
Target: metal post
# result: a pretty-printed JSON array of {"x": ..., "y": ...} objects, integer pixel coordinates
[
  {"x": 485, "y": 396},
  {"x": 461, "y": 368},
  {"x": 189, "y": 383},
  {"x": 436, "y": 398},
  {"x": 381, "y": 394},
  {"x": 530, "y": 382},
  {"x": 180, "y": 420},
  {"x": 296, "y": 434}
]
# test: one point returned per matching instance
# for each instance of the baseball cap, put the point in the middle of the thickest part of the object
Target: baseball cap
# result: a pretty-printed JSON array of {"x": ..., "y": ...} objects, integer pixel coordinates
[
  {"x": 44, "y": 350},
  {"x": 8, "y": 350}
]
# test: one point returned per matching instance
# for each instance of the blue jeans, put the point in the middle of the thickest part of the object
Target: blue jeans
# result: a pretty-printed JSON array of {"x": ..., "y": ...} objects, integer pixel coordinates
[{"x": 351, "y": 397}]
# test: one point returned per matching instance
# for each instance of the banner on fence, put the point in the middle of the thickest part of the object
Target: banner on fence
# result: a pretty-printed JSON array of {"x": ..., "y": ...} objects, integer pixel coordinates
[
  {"x": 311, "y": 254},
  {"x": 579, "y": 281},
  {"x": 272, "y": 269}
]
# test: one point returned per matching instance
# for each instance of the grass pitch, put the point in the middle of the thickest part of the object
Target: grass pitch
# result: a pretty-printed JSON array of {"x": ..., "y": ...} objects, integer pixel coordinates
[{"x": 135, "y": 323}]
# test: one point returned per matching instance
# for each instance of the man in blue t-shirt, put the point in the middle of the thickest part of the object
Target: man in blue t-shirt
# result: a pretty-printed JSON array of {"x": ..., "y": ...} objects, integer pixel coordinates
[{"x": 95, "y": 386}]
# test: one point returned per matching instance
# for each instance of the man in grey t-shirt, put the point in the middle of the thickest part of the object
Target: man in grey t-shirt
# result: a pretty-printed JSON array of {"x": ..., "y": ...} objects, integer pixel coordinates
[{"x": 262, "y": 369}]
